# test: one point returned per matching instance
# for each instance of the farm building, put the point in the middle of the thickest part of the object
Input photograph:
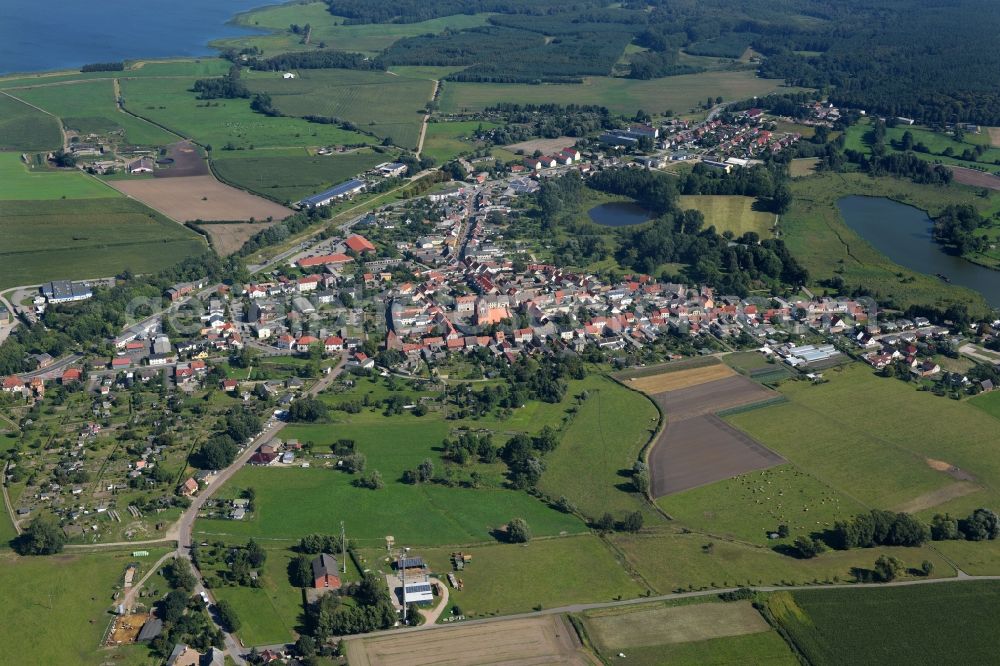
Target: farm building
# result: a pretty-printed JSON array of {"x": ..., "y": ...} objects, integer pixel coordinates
[
  {"x": 325, "y": 576},
  {"x": 390, "y": 169},
  {"x": 141, "y": 165},
  {"x": 418, "y": 592},
  {"x": 64, "y": 291},
  {"x": 343, "y": 191}
]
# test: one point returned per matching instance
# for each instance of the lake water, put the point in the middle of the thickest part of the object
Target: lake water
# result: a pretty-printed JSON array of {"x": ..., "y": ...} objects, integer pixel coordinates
[
  {"x": 903, "y": 233},
  {"x": 40, "y": 35},
  {"x": 619, "y": 214}
]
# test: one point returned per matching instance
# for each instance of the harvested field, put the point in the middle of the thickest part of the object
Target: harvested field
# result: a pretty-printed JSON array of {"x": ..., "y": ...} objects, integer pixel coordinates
[
  {"x": 639, "y": 626},
  {"x": 542, "y": 640},
  {"x": 713, "y": 396},
  {"x": 994, "y": 133},
  {"x": 226, "y": 239},
  {"x": 673, "y": 381},
  {"x": 547, "y": 146},
  {"x": 934, "y": 498},
  {"x": 669, "y": 366},
  {"x": 975, "y": 178},
  {"x": 696, "y": 451},
  {"x": 199, "y": 198},
  {"x": 186, "y": 161}
]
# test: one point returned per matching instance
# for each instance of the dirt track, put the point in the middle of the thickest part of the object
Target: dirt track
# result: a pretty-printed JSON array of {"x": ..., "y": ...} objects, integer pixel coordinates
[
  {"x": 190, "y": 198},
  {"x": 529, "y": 642}
]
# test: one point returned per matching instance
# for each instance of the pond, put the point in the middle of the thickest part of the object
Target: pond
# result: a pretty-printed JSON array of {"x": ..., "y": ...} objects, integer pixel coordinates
[
  {"x": 619, "y": 214},
  {"x": 903, "y": 233}
]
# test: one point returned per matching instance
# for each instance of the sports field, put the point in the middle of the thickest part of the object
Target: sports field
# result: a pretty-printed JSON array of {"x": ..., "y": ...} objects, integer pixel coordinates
[
  {"x": 290, "y": 177},
  {"x": 189, "y": 198},
  {"x": 384, "y": 104},
  {"x": 25, "y": 128},
  {"x": 224, "y": 122},
  {"x": 17, "y": 183},
  {"x": 73, "y": 592},
  {"x": 681, "y": 379},
  {"x": 328, "y": 29},
  {"x": 880, "y": 441},
  {"x": 89, "y": 107},
  {"x": 901, "y": 625},
  {"x": 87, "y": 238},
  {"x": 530, "y": 641},
  {"x": 676, "y": 93},
  {"x": 605, "y": 437},
  {"x": 730, "y": 213}
]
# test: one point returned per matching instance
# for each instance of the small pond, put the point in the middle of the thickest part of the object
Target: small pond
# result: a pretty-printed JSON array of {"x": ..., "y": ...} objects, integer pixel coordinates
[{"x": 619, "y": 214}]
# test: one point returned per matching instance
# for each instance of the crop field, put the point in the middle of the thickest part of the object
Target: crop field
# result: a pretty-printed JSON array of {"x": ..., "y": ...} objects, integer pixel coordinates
[
  {"x": 880, "y": 441},
  {"x": 760, "y": 649},
  {"x": 17, "y": 183},
  {"x": 386, "y": 105},
  {"x": 681, "y": 379},
  {"x": 226, "y": 239},
  {"x": 505, "y": 578},
  {"x": 676, "y": 93},
  {"x": 25, "y": 128},
  {"x": 671, "y": 561},
  {"x": 75, "y": 239},
  {"x": 750, "y": 506},
  {"x": 294, "y": 502},
  {"x": 902, "y": 625},
  {"x": 225, "y": 122},
  {"x": 446, "y": 141},
  {"x": 289, "y": 178},
  {"x": 730, "y": 213},
  {"x": 974, "y": 178},
  {"x": 197, "y": 67},
  {"x": 659, "y": 624},
  {"x": 538, "y": 640},
  {"x": 713, "y": 396},
  {"x": 89, "y": 107},
  {"x": 606, "y": 435},
  {"x": 817, "y": 236},
  {"x": 189, "y": 198},
  {"x": 370, "y": 39},
  {"x": 73, "y": 592}
]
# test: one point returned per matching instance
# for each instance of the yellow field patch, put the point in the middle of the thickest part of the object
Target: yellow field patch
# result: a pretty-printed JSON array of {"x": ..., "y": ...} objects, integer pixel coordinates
[
  {"x": 660, "y": 625},
  {"x": 728, "y": 212},
  {"x": 540, "y": 640},
  {"x": 680, "y": 379},
  {"x": 994, "y": 133}
]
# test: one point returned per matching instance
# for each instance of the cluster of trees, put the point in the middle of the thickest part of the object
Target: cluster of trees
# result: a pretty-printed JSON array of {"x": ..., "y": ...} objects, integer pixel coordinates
[
  {"x": 878, "y": 528},
  {"x": 307, "y": 409},
  {"x": 956, "y": 227},
  {"x": 903, "y": 165},
  {"x": 262, "y": 103},
  {"x": 650, "y": 189},
  {"x": 184, "y": 616},
  {"x": 467, "y": 444},
  {"x": 630, "y": 522},
  {"x": 523, "y": 455},
  {"x": 42, "y": 536},
  {"x": 321, "y": 59},
  {"x": 226, "y": 87},
  {"x": 980, "y": 525},
  {"x": 219, "y": 451},
  {"x": 372, "y": 610},
  {"x": 423, "y": 473},
  {"x": 104, "y": 67},
  {"x": 523, "y": 121}
]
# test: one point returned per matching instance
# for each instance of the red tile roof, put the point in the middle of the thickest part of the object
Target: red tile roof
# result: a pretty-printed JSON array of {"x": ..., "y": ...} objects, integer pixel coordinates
[{"x": 359, "y": 244}]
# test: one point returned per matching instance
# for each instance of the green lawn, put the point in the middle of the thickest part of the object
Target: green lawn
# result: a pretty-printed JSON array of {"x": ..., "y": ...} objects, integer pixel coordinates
[
  {"x": 73, "y": 592},
  {"x": 988, "y": 402},
  {"x": 17, "y": 183},
  {"x": 294, "y": 502},
  {"x": 817, "y": 236},
  {"x": 870, "y": 438},
  {"x": 505, "y": 579},
  {"x": 87, "y": 238},
  {"x": 370, "y": 39},
  {"x": 291, "y": 177},
  {"x": 604, "y": 438},
  {"x": 730, "y": 213},
  {"x": 25, "y": 128},
  {"x": 676, "y": 93},
  {"x": 89, "y": 107},
  {"x": 387, "y": 105},
  {"x": 445, "y": 141},
  {"x": 223, "y": 122},
  {"x": 935, "y": 624}
]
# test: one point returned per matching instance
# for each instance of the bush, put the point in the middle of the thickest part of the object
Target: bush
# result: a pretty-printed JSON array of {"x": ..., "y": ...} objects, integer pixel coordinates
[{"x": 518, "y": 531}]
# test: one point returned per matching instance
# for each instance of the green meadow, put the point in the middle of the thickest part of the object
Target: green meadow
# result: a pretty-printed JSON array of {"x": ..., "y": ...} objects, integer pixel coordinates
[
  {"x": 445, "y": 141},
  {"x": 17, "y": 183},
  {"x": 198, "y": 67},
  {"x": 224, "y": 122},
  {"x": 89, "y": 107},
  {"x": 25, "y": 128}
]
